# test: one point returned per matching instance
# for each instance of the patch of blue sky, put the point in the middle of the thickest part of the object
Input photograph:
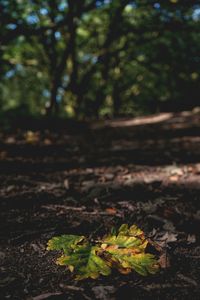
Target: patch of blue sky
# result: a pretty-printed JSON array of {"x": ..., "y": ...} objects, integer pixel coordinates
[
  {"x": 57, "y": 35},
  {"x": 59, "y": 98},
  {"x": 58, "y": 18},
  {"x": 43, "y": 11},
  {"x": 62, "y": 6},
  {"x": 94, "y": 59},
  {"x": 196, "y": 14},
  {"x": 98, "y": 3},
  {"x": 32, "y": 19},
  {"x": 156, "y": 5},
  {"x": 60, "y": 94},
  {"x": 131, "y": 5},
  {"x": 89, "y": 57},
  {"x": 11, "y": 26},
  {"x": 101, "y": 3},
  {"x": 19, "y": 67},
  {"x": 46, "y": 93},
  {"x": 10, "y": 73},
  {"x": 65, "y": 79},
  {"x": 86, "y": 57}
]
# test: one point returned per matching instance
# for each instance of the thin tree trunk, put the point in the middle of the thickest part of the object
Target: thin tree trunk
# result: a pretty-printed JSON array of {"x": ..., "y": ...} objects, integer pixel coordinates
[
  {"x": 116, "y": 101},
  {"x": 53, "y": 107}
]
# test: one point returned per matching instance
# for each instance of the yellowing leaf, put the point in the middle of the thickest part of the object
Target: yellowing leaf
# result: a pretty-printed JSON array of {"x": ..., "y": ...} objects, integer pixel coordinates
[
  {"x": 126, "y": 251},
  {"x": 85, "y": 262},
  {"x": 142, "y": 263},
  {"x": 127, "y": 238},
  {"x": 123, "y": 249},
  {"x": 64, "y": 242},
  {"x": 125, "y": 241},
  {"x": 132, "y": 231}
]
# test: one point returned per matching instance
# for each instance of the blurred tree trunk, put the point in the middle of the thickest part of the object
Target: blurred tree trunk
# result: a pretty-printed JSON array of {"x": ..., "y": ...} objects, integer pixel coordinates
[
  {"x": 53, "y": 104},
  {"x": 103, "y": 60},
  {"x": 58, "y": 65},
  {"x": 116, "y": 101}
]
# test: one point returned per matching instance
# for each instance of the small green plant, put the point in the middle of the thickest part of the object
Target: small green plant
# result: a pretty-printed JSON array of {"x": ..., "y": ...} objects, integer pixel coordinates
[{"x": 123, "y": 249}]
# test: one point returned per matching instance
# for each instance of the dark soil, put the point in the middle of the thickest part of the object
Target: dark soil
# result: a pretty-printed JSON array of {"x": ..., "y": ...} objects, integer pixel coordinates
[{"x": 144, "y": 171}]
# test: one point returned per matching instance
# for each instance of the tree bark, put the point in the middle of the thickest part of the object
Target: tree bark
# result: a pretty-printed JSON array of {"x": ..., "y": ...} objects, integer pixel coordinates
[{"x": 52, "y": 108}]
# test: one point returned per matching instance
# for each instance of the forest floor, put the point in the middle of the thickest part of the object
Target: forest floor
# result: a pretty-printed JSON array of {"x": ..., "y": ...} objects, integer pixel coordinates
[{"x": 143, "y": 171}]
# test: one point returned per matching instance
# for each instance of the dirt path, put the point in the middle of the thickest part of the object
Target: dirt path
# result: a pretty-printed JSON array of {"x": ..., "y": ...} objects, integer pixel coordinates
[{"x": 144, "y": 171}]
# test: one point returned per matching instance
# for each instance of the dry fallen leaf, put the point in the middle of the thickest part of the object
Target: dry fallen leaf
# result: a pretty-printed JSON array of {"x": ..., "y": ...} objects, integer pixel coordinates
[
  {"x": 32, "y": 137},
  {"x": 191, "y": 239},
  {"x": 174, "y": 178},
  {"x": 10, "y": 140},
  {"x": 111, "y": 210},
  {"x": 47, "y": 141},
  {"x": 177, "y": 171},
  {"x": 66, "y": 184},
  {"x": 164, "y": 261},
  {"x": 3, "y": 154},
  {"x": 169, "y": 237},
  {"x": 103, "y": 292}
]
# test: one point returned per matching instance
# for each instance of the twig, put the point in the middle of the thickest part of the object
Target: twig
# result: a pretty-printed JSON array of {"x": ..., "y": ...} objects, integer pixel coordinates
[
  {"x": 187, "y": 279},
  {"x": 57, "y": 206}
]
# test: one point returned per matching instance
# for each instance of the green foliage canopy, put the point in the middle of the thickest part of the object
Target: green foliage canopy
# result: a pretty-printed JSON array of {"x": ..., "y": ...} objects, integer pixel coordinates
[{"x": 89, "y": 58}]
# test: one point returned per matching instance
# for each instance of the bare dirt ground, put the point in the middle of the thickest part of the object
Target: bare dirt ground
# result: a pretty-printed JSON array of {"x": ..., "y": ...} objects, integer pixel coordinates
[{"x": 143, "y": 171}]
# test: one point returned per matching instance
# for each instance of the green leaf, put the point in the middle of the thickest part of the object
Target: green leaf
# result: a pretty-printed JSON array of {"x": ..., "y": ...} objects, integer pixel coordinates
[
  {"x": 124, "y": 241},
  {"x": 127, "y": 238},
  {"x": 127, "y": 259},
  {"x": 123, "y": 249},
  {"x": 85, "y": 262},
  {"x": 66, "y": 243}
]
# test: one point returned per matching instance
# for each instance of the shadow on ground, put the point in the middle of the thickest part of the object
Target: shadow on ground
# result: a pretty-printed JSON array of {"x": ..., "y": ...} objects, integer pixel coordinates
[{"x": 144, "y": 171}]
